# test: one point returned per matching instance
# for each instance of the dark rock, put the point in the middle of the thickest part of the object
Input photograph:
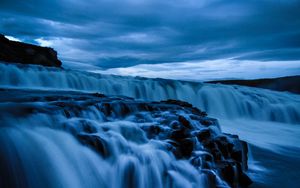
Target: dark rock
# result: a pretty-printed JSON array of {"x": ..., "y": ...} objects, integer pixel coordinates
[
  {"x": 211, "y": 179},
  {"x": 210, "y": 144},
  {"x": 95, "y": 142},
  {"x": 100, "y": 95},
  {"x": 179, "y": 134},
  {"x": 244, "y": 180},
  {"x": 237, "y": 155},
  {"x": 203, "y": 135},
  {"x": 18, "y": 52},
  {"x": 224, "y": 146},
  {"x": 217, "y": 154},
  {"x": 88, "y": 128},
  {"x": 186, "y": 147},
  {"x": 228, "y": 172},
  {"x": 185, "y": 122},
  {"x": 106, "y": 109},
  {"x": 124, "y": 109}
]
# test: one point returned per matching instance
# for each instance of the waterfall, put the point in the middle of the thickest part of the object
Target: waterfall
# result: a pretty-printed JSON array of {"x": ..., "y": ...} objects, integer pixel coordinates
[
  {"x": 218, "y": 100},
  {"x": 45, "y": 139},
  {"x": 43, "y": 157}
]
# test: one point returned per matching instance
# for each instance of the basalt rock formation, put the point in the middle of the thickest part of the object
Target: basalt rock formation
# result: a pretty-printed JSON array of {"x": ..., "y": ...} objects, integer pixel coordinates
[{"x": 18, "y": 52}]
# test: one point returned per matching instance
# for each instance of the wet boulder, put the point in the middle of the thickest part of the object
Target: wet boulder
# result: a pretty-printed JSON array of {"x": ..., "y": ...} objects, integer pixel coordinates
[{"x": 95, "y": 142}]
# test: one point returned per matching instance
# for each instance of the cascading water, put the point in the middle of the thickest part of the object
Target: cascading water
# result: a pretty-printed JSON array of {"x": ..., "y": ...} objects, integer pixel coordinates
[
  {"x": 44, "y": 137},
  {"x": 39, "y": 145},
  {"x": 43, "y": 157},
  {"x": 218, "y": 100}
]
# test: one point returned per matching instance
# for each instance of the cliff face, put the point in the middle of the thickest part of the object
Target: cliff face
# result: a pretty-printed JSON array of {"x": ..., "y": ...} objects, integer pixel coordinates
[{"x": 18, "y": 52}]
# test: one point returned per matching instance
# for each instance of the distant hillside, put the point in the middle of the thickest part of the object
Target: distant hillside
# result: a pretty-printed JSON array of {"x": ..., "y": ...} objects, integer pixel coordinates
[
  {"x": 19, "y": 52},
  {"x": 289, "y": 83}
]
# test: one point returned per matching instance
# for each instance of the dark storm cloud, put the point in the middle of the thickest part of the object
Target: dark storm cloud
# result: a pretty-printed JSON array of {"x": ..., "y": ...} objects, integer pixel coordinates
[{"x": 121, "y": 33}]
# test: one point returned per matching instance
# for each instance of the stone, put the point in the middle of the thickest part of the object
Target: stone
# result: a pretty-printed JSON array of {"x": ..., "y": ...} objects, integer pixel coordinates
[
  {"x": 95, "y": 142},
  {"x": 185, "y": 122},
  {"x": 23, "y": 53},
  {"x": 203, "y": 135}
]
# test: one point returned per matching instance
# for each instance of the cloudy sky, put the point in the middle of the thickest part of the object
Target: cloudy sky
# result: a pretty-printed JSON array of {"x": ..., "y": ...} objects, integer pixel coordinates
[{"x": 188, "y": 39}]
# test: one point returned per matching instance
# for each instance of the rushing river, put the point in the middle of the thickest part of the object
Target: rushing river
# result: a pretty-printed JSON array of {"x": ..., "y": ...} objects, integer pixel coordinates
[{"x": 266, "y": 119}]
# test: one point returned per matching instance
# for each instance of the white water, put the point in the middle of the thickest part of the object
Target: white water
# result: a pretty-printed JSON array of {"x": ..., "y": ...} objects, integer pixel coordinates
[
  {"x": 38, "y": 152},
  {"x": 218, "y": 100},
  {"x": 261, "y": 117}
]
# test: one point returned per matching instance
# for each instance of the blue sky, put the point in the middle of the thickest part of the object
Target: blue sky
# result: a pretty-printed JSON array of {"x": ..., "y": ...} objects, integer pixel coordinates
[{"x": 148, "y": 38}]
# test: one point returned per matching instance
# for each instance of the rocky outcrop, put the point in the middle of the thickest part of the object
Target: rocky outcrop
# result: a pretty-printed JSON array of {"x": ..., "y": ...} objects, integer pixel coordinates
[
  {"x": 288, "y": 83},
  {"x": 183, "y": 130},
  {"x": 18, "y": 52}
]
